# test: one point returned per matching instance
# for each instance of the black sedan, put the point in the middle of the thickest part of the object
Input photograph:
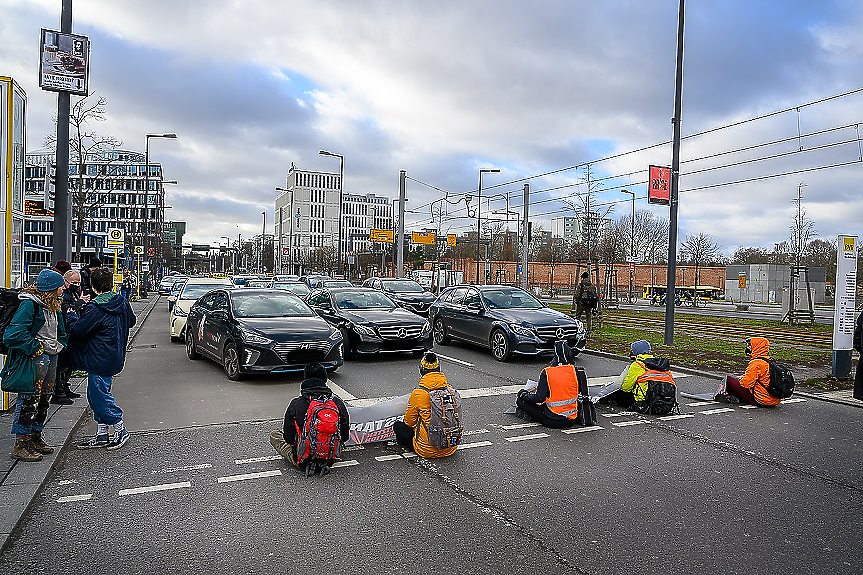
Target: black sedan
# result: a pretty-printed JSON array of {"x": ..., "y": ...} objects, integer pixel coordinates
[
  {"x": 505, "y": 319},
  {"x": 370, "y": 322},
  {"x": 407, "y": 293},
  {"x": 260, "y": 331}
]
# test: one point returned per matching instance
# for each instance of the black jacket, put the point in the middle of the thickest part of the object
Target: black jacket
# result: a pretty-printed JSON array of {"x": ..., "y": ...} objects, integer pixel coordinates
[
  {"x": 101, "y": 334},
  {"x": 86, "y": 288},
  {"x": 295, "y": 416}
]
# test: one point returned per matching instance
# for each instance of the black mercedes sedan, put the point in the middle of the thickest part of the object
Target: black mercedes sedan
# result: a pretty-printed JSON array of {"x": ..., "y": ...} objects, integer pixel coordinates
[
  {"x": 253, "y": 330},
  {"x": 370, "y": 322},
  {"x": 407, "y": 293},
  {"x": 505, "y": 319}
]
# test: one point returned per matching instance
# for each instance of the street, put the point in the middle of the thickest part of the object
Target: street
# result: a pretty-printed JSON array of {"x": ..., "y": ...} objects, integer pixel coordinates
[{"x": 718, "y": 488}]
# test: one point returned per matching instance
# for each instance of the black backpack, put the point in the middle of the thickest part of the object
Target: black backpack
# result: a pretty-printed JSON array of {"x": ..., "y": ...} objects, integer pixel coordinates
[
  {"x": 590, "y": 298},
  {"x": 661, "y": 396},
  {"x": 586, "y": 409},
  {"x": 8, "y": 306},
  {"x": 781, "y": 384}
]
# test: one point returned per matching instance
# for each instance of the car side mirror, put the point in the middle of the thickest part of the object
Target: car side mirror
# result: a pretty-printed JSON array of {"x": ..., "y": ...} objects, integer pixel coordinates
[{"x": 476, "y": 306}]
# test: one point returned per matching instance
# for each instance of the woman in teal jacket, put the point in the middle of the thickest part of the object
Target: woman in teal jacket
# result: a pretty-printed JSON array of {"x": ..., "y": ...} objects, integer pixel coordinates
[{"x": 34, "y": 338}]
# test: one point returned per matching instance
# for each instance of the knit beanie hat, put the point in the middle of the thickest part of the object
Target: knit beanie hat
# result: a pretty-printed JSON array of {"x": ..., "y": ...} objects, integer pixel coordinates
[
  {"x": 95, "y": 263},
  {"x": 429, "y": 363},
  {"x": 62, "y": 267},
  {"x": 640, "y": 347},
  {"x": 315, "y": 371},
  {"x": 49, "y": 280}
]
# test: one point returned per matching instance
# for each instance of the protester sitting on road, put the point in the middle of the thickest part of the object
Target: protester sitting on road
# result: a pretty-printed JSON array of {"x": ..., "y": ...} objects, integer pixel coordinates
[
  {"x": 316, "y": 424},
  {"x": 34, "y": 337},
  {"x": 420, "y": 431},
  {"x": 629, "y": 392},
  {"x": 586, "y": 301},
  {"x": 100, "y": 335},
  {"x": 63, "y": 395},
  {"x": 751, "y": 388},
  {"x": 555, "y": 401}
]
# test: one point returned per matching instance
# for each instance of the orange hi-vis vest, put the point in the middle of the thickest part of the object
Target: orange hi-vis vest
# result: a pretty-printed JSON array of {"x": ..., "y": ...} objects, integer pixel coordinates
[
  {"x": 653, "y": 375},
  {"x": 562, "y": 390}
]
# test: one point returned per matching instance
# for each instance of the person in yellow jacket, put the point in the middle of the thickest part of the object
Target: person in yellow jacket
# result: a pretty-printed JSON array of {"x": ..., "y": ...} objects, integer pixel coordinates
[
  {"x": 412, "y": 433},
  {"x": 630, "y": 392},
  {"x": 555, "y": 402},
  {"x": 751, "y": 388}
]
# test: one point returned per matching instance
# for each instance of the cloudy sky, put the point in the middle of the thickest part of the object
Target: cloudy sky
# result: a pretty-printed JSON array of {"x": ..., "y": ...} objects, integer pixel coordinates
[{"x": 442, "y": 89}]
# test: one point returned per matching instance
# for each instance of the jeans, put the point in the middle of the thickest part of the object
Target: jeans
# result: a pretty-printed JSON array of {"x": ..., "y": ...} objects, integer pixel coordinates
[
  {"x": 105, "y": 409},
  {"x": 404, "y": 434},
  {"x": 539, "y": 413},
  {"x": 31, "y": 409},
  {"x": 125, "y": 292}
]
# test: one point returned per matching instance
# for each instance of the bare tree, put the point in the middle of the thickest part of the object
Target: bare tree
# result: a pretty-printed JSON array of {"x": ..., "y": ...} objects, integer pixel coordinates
[
  {"x": 591, "y": 213},
  {"x": 699, "y": 250},
  {"x": 750, "y": 255},
  {"x": 802, "y": 229}
]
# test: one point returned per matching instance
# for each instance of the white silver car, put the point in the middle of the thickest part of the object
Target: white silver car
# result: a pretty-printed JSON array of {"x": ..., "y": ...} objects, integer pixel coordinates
[{"x": 194, "y": 288}]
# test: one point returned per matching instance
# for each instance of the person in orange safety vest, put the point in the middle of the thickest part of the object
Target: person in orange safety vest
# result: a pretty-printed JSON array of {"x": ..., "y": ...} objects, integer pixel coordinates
[{"x": 554, "y": 403}]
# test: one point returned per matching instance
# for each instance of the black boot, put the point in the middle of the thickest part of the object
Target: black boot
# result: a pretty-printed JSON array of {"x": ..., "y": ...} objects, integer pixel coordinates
[
  {"x": 60, "y": 399},
  {"x": 68, "y": 391}
]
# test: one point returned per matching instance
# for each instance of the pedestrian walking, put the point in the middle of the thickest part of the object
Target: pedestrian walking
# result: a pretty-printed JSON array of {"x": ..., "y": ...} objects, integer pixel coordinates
[
  {"x": 586, "y": 300},
  {"x": 63, "y": 394},
  {"x": 127, "y": 285},
  {"x": 34, "y": 337},
  {"x": 101, "y": 334}
]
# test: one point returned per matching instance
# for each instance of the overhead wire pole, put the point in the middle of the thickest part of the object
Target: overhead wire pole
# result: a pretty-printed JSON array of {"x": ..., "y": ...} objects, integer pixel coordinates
[
  {"x": 62, "y": 231},
  {"x": 400, "y": 263},
  {"x": 525, "y": 246},
  {"x": 672, "y": 193}
]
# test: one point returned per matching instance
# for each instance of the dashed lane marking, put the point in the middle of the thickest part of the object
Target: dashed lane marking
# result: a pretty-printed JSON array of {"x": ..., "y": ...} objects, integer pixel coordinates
[
  {"x": 340, "y": 391},
  {"x": 619, "y": 414},
  {"x": 475, "y": 432},
  {"x": 720, "y": 410},
  {"x": 67, "y": 482},
  {"x": 629, "y": 423},
  {"x": 70, "y": 498},
  {"x": 474, "y": 444},
  {"x": 388, "y": 457},
  {"x": 583, "y": 429},
  {"x": 257, "y": 459},
  {"x": 245, "y": 476},
  {"x": 678, "y": 416},
  {"x": 489, "y": 391},
  {"x": 346, "y": 463},
  {"x": 153, "y": 488},
  {"x": 701, "y": 403},
  {"x": 526, "y": 437},
  {"x": 520, "y": 425},
  {"x": 353, "y": 448},
  {"x": 793, "y": 400},
  {"x": 186, "y": 468},
  {"x": 748, "y": 407},
  {"x": 461, "y": 361}
]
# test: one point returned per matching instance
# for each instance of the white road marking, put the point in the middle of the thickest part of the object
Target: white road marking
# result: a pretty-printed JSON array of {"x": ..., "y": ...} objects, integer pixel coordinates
[
  {"x": 701, "y": 403},
  {"x": 67, "y": 482},
  {"x": 748, "y": 407},
  {"x": 70, "y": 498},
  {"x": 346, "y": 463},
  {"x": 520, "y": 425},
  {"x": 461, "y": 361},
  {"x": 678, "y": 416},
  {"x": 340, "y": 391},
  {"x": 388, "y": 457},
  {"x": 489, "y": 391},
  {"x": 353, "y": 448},
  {"x": 628, "y": 423},
  {"x": 367, "y": 401},
  {"x": 152, "y": 488},
  {"x": 619, "y": 414},
  {"x": 474, "y": 432},
  {"x": 598, "y": 381},
  {"x": 257, "y": 459},
  {"x": 245, "y": 476},
  {"x": 409, "y": 454},
  {"x": 526, "y": 437},
  {"x": 720, "y": 410},
  {"x": 186, "y": 468},
  {"x": 583, "y": 429},
  {"x": 474, "y": 444},
  {"x": 793, "y": 400}
]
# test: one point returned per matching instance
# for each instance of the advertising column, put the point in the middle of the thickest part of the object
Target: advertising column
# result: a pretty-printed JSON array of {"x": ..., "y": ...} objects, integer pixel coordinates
[{"x": 843, "y": 312}]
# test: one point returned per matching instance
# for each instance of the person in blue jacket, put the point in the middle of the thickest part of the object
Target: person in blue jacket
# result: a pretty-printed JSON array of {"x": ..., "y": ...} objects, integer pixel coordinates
[
  {"x": 101, "y": 334},
  {"x": 34, "y": 337}
]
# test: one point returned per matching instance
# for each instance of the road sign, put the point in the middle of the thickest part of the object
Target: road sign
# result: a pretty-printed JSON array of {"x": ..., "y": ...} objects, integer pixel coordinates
[
  {"x": 631, "y": 268},
  {"x": 116, "y": 237},
  {"x": 139, "y": 250},
  {"x": 426, "y": 238},
  {"x": 118, "y": 279},
  {"x": 145, "y": 266},
  {"x": 658, "y": 182},
  {"x": 450, "y": 239},
  {"x": 286, "y": 251},
  {"x": 382, "y": 236},
  {"x": 741, "y": 280},
  {"x": 151, "y": 252}
]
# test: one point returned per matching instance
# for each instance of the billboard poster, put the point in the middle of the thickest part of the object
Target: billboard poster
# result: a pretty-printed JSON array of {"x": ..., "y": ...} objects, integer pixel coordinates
[
  {"x": 658, "y": 185},
  {"x": 846, "y": 284},
  {"x": 64, "y": 62}
]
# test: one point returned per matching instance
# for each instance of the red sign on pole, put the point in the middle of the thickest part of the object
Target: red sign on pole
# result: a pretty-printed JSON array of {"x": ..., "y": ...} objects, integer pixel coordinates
[
  {"x": 286, "y": 251},
  {"x": 658, "y": 185}
]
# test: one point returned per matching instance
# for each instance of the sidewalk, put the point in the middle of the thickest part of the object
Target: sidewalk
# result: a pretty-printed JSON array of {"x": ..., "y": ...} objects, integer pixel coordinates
[{"x": 19, "y": 482}]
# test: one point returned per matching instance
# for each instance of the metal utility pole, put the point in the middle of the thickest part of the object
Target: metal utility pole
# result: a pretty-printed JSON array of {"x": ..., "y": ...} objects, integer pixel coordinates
[
  {"x": 62, "y": 232},
  {"x": 478, "y": 220},
  {"x": 632, "y": 244},
  {"x": 671, "y": 278},
  {"x": 341, "y": 195},
  {"x": 525, "y": 246},
  {"x": 400, "y": 263},
  {"x": 263, "y": 234}
]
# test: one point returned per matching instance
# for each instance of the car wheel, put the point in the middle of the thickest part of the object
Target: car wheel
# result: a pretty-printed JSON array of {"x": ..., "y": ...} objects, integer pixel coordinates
[
  {"x": 347, "y": 352},
  {"x": 191, "y": 349},
  {"x": 500, "y": 347},
  {"x": 231, "y": 362},
  {"x": 440, "y": 336}
]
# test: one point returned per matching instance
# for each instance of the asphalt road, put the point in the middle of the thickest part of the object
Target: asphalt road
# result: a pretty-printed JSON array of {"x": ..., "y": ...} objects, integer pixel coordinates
[{"x": 196, "y": 488}]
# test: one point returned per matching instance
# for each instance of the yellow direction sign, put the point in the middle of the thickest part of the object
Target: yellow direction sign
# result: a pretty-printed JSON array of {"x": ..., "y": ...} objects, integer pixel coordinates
[
  {"x": 116, "y": 237},
  {"x": 118, "y": 279},
  {"x": 383, "y": 236},
  {"x": 139, "y": 250},
  {"x": 741, "y": 280},
  {"x": 450, "y": 239},
  {"x": 427, "y": 238}
]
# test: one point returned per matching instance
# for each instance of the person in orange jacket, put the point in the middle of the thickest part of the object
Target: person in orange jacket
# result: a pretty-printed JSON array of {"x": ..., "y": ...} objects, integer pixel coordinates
[
  {"x": 751, "y": 388},
  {"x": 412, "y": 433}
]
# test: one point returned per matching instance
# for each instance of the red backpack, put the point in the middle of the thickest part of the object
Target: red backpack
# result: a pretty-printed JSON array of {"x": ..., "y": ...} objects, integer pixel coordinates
[{"x": 318, "y": 442}]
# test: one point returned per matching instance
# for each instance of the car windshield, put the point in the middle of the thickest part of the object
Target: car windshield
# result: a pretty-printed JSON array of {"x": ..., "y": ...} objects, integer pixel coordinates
[
  {"x": 362, "y": 300},
  {"x": 509, "y": 299},
  {"x": 403, "y": 287},
  {"x": 337, "y": 283},
  {"x": 269, "y": 304},
  {"x": 257, "y": 283},
  {"x": 194, "y": 291},
  {"x": 294, "y": 287}
]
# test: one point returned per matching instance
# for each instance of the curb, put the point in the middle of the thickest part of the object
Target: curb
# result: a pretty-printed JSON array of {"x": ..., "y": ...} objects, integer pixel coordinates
[{"x": 23, "y": 501}]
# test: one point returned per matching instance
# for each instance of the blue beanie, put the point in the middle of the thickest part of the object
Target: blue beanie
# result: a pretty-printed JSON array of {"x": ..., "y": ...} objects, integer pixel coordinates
[
  {"x": 640, "y": 347},
  {"x": 49, "y": 280}
]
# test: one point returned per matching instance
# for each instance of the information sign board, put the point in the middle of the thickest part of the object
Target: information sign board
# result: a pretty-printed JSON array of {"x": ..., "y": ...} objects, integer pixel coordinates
[
  {"x": 426, "y": 238},
  {"x": 116, "y": 237},
  {"x": 658, "y": 185},
  {"x": 382, "y": 236},
  {"x": 64, "y": 62},
  {"x": 450, "y": 239},
  {"x": 844, "y": 315}
]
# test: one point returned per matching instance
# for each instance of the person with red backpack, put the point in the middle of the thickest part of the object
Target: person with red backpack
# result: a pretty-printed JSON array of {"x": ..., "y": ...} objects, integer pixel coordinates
[{"x": 316, "y": 424}]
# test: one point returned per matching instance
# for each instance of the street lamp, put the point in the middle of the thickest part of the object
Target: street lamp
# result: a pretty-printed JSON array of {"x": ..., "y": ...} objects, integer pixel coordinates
[
  {"x": 263, "y": 233},
  {"x": 291, "y": 237},
  {"x": 147, "y": 187},
  {"x": 632, "y": 244},
  {"x": 478, "y": 201},
  {"x": 396, "y": 273},
  {"x": 341, "y": 190}
]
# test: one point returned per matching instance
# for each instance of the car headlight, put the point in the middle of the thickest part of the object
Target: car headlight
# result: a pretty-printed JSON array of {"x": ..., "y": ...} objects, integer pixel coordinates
[
  {"x": 336, "y": 335},
  {"x": 250, "y": 337},
  {"x": 179, "y": 312},
  {"x": 364, "y": 330},
  {"x": 426, "y": 329},
  {"x": 520, "y": 329}
]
